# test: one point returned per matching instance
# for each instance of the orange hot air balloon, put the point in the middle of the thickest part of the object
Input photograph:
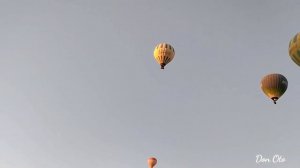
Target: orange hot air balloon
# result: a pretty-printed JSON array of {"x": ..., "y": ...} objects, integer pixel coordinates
[
  {"x": 163, "y": 54},
  {"x": 152, "y": 162}
]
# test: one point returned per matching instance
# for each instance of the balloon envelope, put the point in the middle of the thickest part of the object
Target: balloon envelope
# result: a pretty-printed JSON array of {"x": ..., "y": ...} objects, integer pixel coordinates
[
  {"x": 163, "y": 54},
  {"x": 152, "y": 162},
  {"x": 294, "y": 49},
  {"x": 274, "y": 86}
]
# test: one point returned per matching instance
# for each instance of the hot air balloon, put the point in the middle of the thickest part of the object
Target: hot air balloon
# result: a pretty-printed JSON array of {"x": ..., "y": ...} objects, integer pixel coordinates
[
  {"x": 274, "y": 86},
  {"x": 163, "y": 54},
  {"x": 294, "y": 49},
  {"x": 152, "y": 162}
]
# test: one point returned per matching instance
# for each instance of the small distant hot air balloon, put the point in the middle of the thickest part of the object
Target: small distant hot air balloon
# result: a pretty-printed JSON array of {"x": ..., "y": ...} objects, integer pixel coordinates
[
  {"x": 274, "y": 86},
  {"x": 163, "y": 54},
  {"x": 294, "y": 49},
  {"x": 152, "y": 162}
]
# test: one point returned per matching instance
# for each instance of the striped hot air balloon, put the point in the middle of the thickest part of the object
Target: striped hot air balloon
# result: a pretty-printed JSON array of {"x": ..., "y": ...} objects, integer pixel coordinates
[
  {"x": 294, "y": 49},
  {"x": 274, "y": 86},
  {"x": 152, "y": 162},
  {"x": 163, "y": 54}
]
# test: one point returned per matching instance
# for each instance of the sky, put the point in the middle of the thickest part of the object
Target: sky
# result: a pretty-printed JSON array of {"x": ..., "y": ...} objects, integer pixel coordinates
[{"x": 79, "y": 86}]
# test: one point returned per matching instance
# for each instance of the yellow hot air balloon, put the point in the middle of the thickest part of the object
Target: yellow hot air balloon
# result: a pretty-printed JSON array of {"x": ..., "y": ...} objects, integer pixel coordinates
[
  {"x": 163, "y": 54},
  {"x": 274, "y": 86},
  {"x": 294, "y": 49},
  {"x": 152, "y": 162}
]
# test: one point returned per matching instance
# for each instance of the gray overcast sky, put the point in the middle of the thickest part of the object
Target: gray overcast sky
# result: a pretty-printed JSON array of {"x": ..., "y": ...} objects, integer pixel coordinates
[{"x": 79, "y": 86}]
